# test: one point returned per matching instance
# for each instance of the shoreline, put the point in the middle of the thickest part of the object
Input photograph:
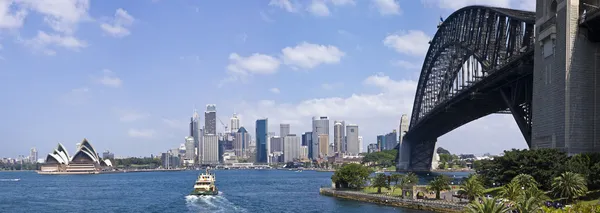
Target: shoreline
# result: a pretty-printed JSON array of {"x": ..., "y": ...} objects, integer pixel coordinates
[
  {"x": 108, "y": 172},
  {"x": 427, "y": 205}
]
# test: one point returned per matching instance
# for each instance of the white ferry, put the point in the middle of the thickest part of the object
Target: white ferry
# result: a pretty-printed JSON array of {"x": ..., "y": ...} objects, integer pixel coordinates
[{"x": 205, "y": 185}]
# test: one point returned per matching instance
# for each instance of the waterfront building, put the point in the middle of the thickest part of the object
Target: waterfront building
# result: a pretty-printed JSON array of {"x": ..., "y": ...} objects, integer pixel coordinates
[
  {"x": 262, "y": 136},
  {"x": 323, "y": 144},
  {"x": 338, "y": 143},
  {"x": 284, "y": 130},
  {"x": 381, "y": 142},
  {"x": 320, "y": 126},
  {"x": 210, "y": 149},
  {"x": 391, "y": 140},
  {"x": 190, "y": 150},
  {"x": 276, "y": 144},
  {"x": 85, "y": 160},
  {"x": 309, "y": 143},
  {"x": 241, "y": 143},
  {"x": 235, "y": 123},
  {"x": 210, "y": 119},
  {"x": 33, "y": 155},
  {"x": 200, "y": 146},
  {"x": 303, "y": 153},
  {"x": 291, "y": 148},
  {"x": 352, "y": 139}
]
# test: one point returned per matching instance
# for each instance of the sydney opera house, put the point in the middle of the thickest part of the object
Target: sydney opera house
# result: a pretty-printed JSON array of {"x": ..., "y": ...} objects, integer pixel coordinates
[{"x": 84, "y": 161}]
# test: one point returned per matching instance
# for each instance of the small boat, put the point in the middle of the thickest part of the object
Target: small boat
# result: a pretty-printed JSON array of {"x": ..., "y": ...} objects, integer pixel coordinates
[{"x": 205, "y": 185}]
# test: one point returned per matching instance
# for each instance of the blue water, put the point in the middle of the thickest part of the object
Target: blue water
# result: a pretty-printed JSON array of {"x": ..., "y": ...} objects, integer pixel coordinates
[{"x": 241, "y": 191}]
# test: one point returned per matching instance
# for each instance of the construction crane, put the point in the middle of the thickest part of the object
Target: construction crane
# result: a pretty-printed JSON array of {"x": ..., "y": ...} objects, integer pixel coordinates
[{"x": 224, "y": 125}]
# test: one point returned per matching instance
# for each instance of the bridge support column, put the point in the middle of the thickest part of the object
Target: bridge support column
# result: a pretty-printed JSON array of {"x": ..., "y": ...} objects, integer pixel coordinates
[
  {"x": 421, "y": 154},
  {"x": 403, "y": 156}
]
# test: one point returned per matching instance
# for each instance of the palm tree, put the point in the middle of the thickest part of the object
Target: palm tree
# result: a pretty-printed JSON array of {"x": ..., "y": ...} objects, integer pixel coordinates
[
  {"x": 438, "y": 184},
  {"x": 530, "y": 201},
  {"x": 411, "y": 178},
  {"x": 487, "y": 206},
  {"x": 511, "y": 191},
  {"x": 526, "y": 181},
  {"x": 396, "y": 178},
  {"x": 380, "y": 181},
  {"x": 569, "y": 185},
  {"x": 472, "y": 187}
]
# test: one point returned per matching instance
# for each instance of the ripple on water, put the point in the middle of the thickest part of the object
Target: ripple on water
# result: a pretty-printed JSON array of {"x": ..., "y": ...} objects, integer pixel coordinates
[{"x": 211, "y": 204}]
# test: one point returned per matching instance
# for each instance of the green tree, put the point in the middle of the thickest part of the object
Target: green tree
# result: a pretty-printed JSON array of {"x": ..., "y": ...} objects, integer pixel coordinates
[
  {"x": 351, "y": 175},
  {"x": 411, "y": 179},
  {"x": 487, "y": 206},
  {"x": 438, "y": 184},
  {"x": 511, "y": 191},
  {"x": 380, "y": 181},
  {"x": 569, "y": 185},
  {"x": 531, "y": 200},
  {"x": 396, "y": 178},
  {"x": 526, "y": 181},
  {"x": 472, "y": 187}
]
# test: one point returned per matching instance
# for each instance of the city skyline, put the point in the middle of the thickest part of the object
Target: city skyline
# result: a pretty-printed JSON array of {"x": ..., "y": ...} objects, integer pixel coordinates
[{"x": 112, "y": 87}]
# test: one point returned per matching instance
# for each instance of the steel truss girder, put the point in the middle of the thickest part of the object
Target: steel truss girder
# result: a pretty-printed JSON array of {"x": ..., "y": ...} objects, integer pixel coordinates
[
  {"x": 518, "y": 96},
  {"x": 421, "y": 155},
  {"x": 493, "y": 36}
]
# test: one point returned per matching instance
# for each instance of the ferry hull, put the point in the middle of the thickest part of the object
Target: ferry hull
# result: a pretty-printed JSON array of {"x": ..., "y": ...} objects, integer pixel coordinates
[{"x": 204, "y": 193}]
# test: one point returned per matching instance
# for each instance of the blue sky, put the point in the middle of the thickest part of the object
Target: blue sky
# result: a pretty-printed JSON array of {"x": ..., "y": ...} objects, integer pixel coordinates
[{"x": 127, "y": 74}]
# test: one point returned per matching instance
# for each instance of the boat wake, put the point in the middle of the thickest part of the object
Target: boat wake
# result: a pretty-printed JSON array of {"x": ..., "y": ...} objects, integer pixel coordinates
[
  {"x": 11, "y": 180},
  {"x": 211, "y": 204}
]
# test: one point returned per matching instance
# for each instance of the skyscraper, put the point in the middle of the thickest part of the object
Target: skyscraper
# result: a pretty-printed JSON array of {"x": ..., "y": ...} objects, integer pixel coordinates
[
  {"x": 284, "y": 130},
  {"x": 352, "y": 139},
  {"x": 291, "y": 148},
  {"x": 235, "y": 123},
  {"x": 262, "y": 134},
  {"x": 210, "y": 149},
  {"x": 380, "y": 142},
  {"x": 402, "y": 152},
  {"x": 190, "y": 149},
  {"x": 241, "y": 143},
  {"x": 338, "y": 144},
  {"x": 360, "y": 144},
  {"x": 391, "y": 140},
  {"x": 309, "y": 144},
  {"x": 33, "y": 155},
  {"x": 320, "y": 126},
  {"x": 276, "y": 144},
  {"x": 210, "y": 119},
  {"x": 323, "y": 145},
  {"x": 195, "y": 133},
  {"x": 200, "y": 148}
]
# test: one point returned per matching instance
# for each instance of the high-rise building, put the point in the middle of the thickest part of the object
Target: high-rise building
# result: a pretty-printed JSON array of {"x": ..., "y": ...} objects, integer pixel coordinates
[
  {"x": 291, "y": 148},
  {"x": 210, "y": 119},
  {"x": 303, "y": 152},
  {"x": 308, "y": 142},
  {"x": 210, "y": 149},
  {"x": 391, "y": 140},
  {"x": 190, "y": 149},
  {"x": 323, "y": 143},
  {"x": 262, "y": 136},
  {"x": 381, "y": 142},
  {"x": 33, "y": 155},
  {"x": 200, "y": 147},
  {"x": 352, "y": 139},
  {"x": 284, "y": 130},
  {"x": 241, "y": 143},
  {"x": 320, "y": 126},
  {"x": 108, "y": 155},
  {"x": 195, "y": 132},
  {"x": 360, "y": 144},
  {"x": 372, "y": 148},
  {"x": 276, "y": 144},
  {"x": 235, "y": 123},
  {"x": 402, "y": 148},
  {"x": 338, "y": 143}
]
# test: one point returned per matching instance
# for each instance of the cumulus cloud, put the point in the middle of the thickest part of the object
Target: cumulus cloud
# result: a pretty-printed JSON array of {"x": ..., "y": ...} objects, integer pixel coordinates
[
  {"x": 275, "y": 90},
  {"x": 387, "y": 7},
  {"x": 457, "y": 4},
  {"x": 413, "y": 42},
  {"x": 285, "y": 4},
  {"x": 117, "y": 26},
  {"x": 109, "y": 79},
  {"x": 318, "y": 8},
  {"x": 307, "y": 55},
  {"x": 141, "y": 133}
]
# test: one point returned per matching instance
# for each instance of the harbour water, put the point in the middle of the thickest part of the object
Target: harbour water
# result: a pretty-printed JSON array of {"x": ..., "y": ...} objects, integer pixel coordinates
[{"x": 241, "y": 191}]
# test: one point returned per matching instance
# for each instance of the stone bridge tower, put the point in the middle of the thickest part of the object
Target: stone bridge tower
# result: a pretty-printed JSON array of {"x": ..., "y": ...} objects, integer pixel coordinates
[{"x": 566, "y": 77}]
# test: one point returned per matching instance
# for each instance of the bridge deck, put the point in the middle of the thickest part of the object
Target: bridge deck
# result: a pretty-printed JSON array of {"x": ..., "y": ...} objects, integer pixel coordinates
[{"x": 591, "y": 21}]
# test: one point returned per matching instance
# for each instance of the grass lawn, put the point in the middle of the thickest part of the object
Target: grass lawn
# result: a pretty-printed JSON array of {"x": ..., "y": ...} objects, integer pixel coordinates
[{"x": 384, "y": 191}]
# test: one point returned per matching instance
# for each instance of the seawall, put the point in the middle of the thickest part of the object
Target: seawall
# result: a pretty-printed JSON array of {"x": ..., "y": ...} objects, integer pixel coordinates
[{"x": 427, "y": 205}]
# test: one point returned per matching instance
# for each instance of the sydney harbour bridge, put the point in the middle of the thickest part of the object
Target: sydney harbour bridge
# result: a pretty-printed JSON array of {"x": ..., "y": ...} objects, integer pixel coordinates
[{"x": 542, "y": 67}]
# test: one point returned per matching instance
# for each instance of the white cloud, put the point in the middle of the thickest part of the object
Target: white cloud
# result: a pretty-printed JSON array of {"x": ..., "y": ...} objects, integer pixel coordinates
[
  {"x": 141, "y": 133},
  {"x": 275, "y": 90},
  {"x": 307, "y": 55},
  {"x": 528, "y": 5},
  {"x": 457, "y": 4},
  {"x": 285, "y": 4},
  {"x": 406, "y": 64},
  {"x": 109, "y": 79},
  {"x": 414, "y": 42},
  {"x": 44, "y": 41},
  {"x": 130, "y": 115},
  {"x": 76, "y": 96},
  {"x": 343, "y": 2},
  {"x": 241, "y": 68},
  {"x": 11, "y": 19},
  {"x": 318, "y": 8},
  {"x": 387, "y": 7},
  {"x": 61, "y": 15},
  {"x": 117, "y": 27}
]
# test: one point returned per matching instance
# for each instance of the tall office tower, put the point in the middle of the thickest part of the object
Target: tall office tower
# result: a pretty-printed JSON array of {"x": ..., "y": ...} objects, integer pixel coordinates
[
  {"x": 303, "y": 139},
  {"x": 380, "y": 143},
  {"x": 323, "y": 143},
  {"x": 338, "y": 144},
  {"x": 262, "y": 137},
  {"x": 320, "y": 126},
  {"x": 200, "y": 148},
  {"x": 210, "y": 119},
  {"x": 235, "y": 123},
  {"x": 330, "y": 151},
  {"x": 284, "y": 130},
  {"x": 342, "y": 133},
  {"x": 391, "y": 140},
  {"x": 291, "y": 148},
  {"x": 194, "y": 129},
  {"x": 33, "y": 155},
  {"x": 352, "y": 139},
  {"x": 309, "y": 143},
  {"x": 241, "y": 143},
  {"x": 360, "y": 144},
  {"x": 190, "y": 149},
  {"x": 276, "y": 144},
  {"x": 303, "y": 152},
  {"x": 210, "y": 149}
]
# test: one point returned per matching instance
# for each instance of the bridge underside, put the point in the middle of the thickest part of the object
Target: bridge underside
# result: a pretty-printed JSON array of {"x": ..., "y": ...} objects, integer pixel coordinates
[{"x": 592, "y": 24}]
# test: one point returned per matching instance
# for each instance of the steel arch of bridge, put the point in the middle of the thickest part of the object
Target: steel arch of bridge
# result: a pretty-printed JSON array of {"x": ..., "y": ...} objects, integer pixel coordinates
[{"x": 448, "y": 95}]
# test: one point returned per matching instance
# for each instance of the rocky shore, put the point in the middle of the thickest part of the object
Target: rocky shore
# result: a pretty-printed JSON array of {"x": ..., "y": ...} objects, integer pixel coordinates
[{"x": 428, "y": 205}]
